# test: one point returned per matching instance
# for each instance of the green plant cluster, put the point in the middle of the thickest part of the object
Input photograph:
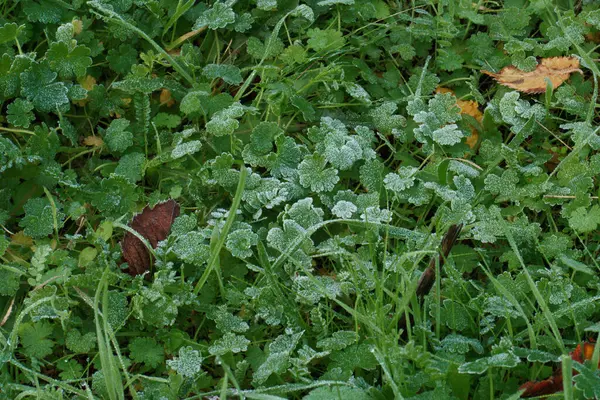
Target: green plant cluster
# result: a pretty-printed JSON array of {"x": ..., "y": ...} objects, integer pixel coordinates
[{"x": 317, "y": 170}]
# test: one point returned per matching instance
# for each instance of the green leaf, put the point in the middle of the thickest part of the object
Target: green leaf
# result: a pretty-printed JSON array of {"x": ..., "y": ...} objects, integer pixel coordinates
[
  {"x": 314, "y": 174},
  {"x": 226, "y": 321},
  {"x": 19, "y": 113},
  {"x": 10, "y": 279},
  {"x": 328, "y": 39},
  {"x": 34, "y": 338},
  {"x": 44, "y": 11},
  {"x": 229, "y": 73},
  {"x": 479, "y": 366},
  {"x": 69, "y": 62},
  {"x": 117, "y": 137},
  {"x": 338, "y": 392},
  {"x": 225, "y": 121},
  {"x": 587, "y": 381},
  {"x": 9, "y": 32},
  {"x": 583, "y": 220},
  {"x": 164, "y": 120},
  {"x": 39, "y": 220},
  {"x": 191, "y": 248},
  {"x": 147, "y": 351},
  {"x": 240, "y": 242},
  {"x": 188, "y": 364},
  {"x": 131, "y": 166},
  {"x": 217, "y": 17},
  {"x": 230, "y": 342},
  {"x": 78, "y": 343},
  {"x": 38, "y": 84},
  {"x": 186, "y": 148},
  {"x": 70, "y": 369},
  {"x": 339, "y": 340},
  {"x": 461, "y": 344},
  {"x": 121, "y": 59}
]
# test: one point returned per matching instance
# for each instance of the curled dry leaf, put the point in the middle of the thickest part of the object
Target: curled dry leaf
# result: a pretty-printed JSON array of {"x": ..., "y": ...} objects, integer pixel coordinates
[
  {"x": 556, "y": 69},
  {"x": 154, "y": 225}
]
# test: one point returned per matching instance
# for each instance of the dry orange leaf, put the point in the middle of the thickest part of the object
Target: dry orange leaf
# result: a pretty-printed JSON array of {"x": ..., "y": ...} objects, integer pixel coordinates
[
  {"x": 556, "y": 69},
  {"x": 468, "y": 107}
]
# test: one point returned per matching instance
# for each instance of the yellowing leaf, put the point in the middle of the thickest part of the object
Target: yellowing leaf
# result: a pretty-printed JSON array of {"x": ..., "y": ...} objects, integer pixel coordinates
[
  {"x": 21, "y": 239},
  {"x": 94, "y": 141},
  {"x": 468, "y": 107},
  {"x": 165, "y": 98},
  {"x": 555, "y": 69},
  {"x": 77, "y": 26},
  {"x": 88, "y": 82}
]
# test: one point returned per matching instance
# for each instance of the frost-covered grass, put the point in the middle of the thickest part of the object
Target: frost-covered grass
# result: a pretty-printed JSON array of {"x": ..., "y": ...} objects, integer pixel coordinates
[{"x": 318, "y": 165}]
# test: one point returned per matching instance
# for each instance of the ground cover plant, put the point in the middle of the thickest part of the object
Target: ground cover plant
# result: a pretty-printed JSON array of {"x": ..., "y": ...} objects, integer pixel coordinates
[{"x": 292, "y": 168}]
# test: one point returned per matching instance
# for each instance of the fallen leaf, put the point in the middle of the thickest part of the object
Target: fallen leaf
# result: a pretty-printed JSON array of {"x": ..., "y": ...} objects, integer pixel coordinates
[
  {"x": 556, "y": 69},
  {"x": 152, "y": 224},
  {"x": 554, "y": 384},
  {"x": 468, "y": 107}
]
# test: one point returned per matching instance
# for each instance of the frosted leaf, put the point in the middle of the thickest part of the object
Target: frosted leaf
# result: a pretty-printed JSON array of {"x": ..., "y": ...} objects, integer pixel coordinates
[
  {"x": 448, "y": 135},
  {"x": 191, "y": 248},
  {"x": 487, "y": 227},
  {"x": 313, "y": 174},
  {"x": 275, "y": 363},
  {"x": 240, "y": 242},
  {"x": 187, "y": 148},
  {"x": 460, "y": 344},
  {"x": 385, "y": 120},
  {"x": 503, "y": 360},
  {"x": 464, "y": 188},
  {"x": 188, "y": 364},
  {"x": 217, "y": 17},
  {"x": 325, "y": 3},
  {"x": 226, "y": 321},
  {"x": 443, "y": 191},
  {"x": 404, "y": 179},
  {"x": 339, "y": 340},
  {"x": 507, "y": 107},
  {"x": 344, "y": 209},
  {"x": 500, "y": 307},
  {"x": 375, "y": 214},
  {"x": 305, "y": 214},
  {"x": 266, "y": 5},
  {"x": 224, "y": 122},
  {"x": 230, "y": 342},
  {"x": 358, "y": 92},
  {"x": 303, "y": 11},
  {"x": 462, "y": 168},
  {"x": 311, "y": 291}
]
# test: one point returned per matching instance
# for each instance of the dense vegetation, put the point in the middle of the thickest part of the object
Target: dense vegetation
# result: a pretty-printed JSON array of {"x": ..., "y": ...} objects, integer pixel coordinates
[{"x": 319, "y": 151}]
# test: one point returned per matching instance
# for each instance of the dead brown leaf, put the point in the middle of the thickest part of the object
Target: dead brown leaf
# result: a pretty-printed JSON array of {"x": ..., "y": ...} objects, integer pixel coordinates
[
  {"x": 556, "y": 69},
  {"x": 154, "y": 225}
]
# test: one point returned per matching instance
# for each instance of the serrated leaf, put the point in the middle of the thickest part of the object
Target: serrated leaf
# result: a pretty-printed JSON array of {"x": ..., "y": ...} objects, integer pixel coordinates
[
  {"x": 230, "y": 342},
  {"x": 69, "y": 62}
]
